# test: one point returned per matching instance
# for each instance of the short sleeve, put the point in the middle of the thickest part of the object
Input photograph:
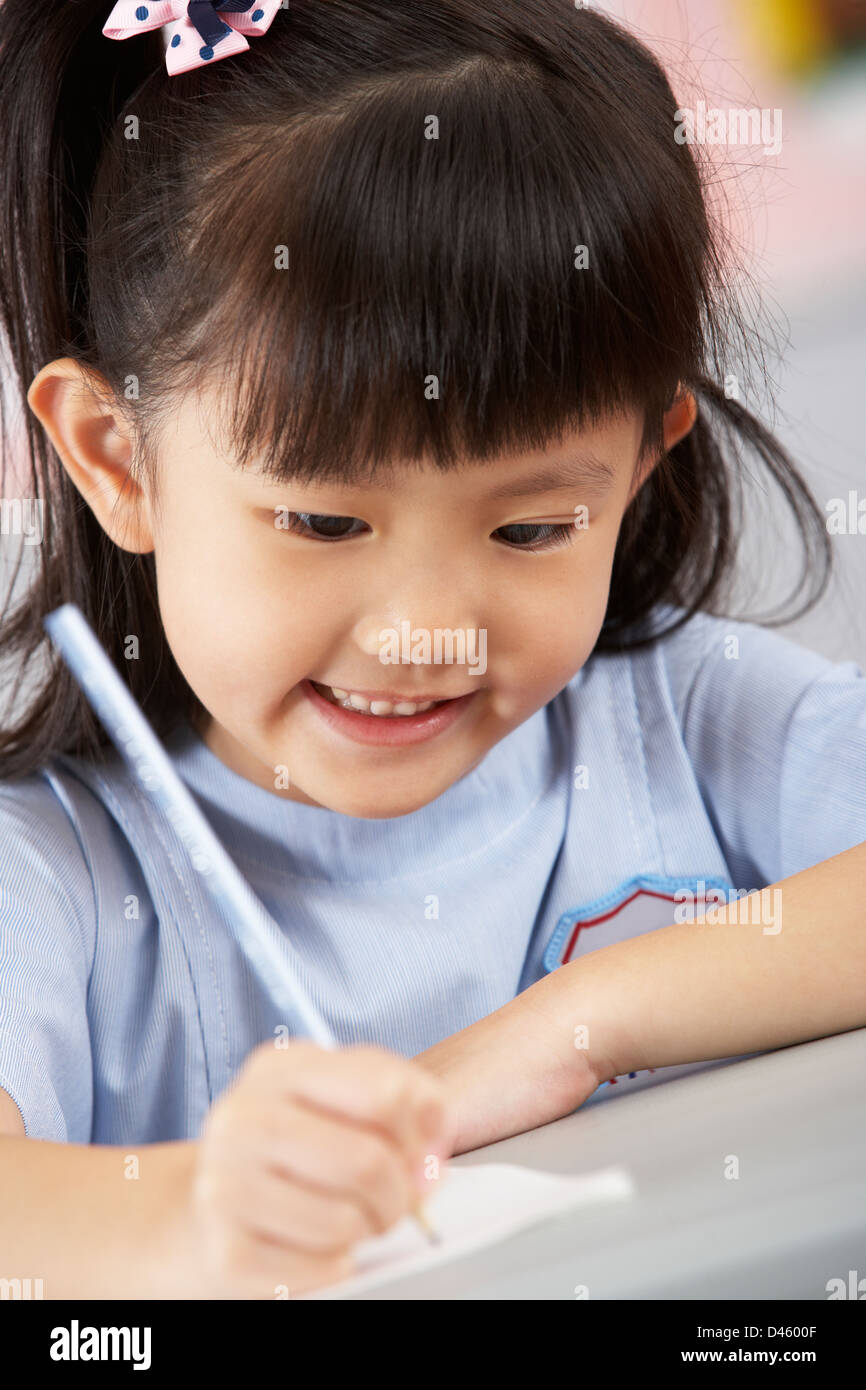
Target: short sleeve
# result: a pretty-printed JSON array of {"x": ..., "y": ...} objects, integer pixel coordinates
[
  {"x": 776, "y": 735},
  {"x": 47, "y": 937}
]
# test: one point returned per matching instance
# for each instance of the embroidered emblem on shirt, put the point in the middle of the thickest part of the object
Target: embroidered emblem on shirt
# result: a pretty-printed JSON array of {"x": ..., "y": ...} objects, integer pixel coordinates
[{"x": 638, "y": 905}]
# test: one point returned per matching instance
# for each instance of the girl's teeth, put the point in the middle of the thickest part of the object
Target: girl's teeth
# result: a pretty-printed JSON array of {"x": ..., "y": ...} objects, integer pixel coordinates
[{"x": 359, "y": 703}]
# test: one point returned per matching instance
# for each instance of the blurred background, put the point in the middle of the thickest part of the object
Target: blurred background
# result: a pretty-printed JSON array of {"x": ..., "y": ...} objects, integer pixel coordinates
[{"x": 797, "y": 221}]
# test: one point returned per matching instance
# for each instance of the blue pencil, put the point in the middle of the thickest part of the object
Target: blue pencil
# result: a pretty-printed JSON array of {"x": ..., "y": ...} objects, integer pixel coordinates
[{"x": 134, "y": 739}]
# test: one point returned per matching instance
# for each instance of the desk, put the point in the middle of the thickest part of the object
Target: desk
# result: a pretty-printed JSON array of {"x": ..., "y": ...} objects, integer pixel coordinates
[{"x": 794, "y": 1218}]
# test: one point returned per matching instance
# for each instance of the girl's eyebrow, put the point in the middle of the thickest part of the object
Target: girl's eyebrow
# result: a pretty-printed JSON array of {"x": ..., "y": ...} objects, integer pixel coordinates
[{"x": 586, "y": 471}]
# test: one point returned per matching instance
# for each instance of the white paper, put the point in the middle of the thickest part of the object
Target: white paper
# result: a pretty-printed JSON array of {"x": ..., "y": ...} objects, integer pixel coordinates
[{"x": 470, "y": 1208}]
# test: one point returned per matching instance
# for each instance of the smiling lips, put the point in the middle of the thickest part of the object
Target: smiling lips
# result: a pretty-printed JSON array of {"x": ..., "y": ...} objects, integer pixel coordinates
[
  {"x": 348, "y": 699},
  {"x": 385, "y": 723}
]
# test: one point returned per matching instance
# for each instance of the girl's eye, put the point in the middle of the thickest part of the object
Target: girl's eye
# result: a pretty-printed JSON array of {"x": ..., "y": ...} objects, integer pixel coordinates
[
  {"x": 537, "y": 535},
  {"x": 521, "y": 536},
  {"x": 322, "y": 527}
]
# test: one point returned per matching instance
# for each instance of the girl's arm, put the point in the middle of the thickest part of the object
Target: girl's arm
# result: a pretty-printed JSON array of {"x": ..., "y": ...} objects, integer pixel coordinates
[
  {"x": 76, "y": 1223},
  {"x": 686, "y": 993}
]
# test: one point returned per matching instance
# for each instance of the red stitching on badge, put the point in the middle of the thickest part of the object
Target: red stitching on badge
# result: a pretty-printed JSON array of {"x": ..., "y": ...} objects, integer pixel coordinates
[{"x": 605, "y": 917}]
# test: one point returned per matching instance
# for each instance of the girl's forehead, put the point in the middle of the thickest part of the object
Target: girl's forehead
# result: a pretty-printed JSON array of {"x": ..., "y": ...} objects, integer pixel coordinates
[
  {"x": 581, "y": 458},
  {"x": 577, "y": 466}
]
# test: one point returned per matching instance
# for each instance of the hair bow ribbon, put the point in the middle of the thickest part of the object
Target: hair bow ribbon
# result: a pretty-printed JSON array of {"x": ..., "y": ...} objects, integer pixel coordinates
[{"x": 195, "y": 33}]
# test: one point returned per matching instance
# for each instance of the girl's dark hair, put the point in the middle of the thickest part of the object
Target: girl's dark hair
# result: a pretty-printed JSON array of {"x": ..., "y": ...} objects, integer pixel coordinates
[{"x": 142, "y": 221}]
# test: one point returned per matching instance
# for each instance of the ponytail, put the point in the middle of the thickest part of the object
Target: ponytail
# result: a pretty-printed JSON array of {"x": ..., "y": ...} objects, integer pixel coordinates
[{"x": 62, "y": 85}]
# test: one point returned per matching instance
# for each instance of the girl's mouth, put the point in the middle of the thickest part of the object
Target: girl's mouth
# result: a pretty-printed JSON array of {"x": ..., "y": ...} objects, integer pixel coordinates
[
  {"x": 379, "y": 709},
  {"x": 383, "y": 722}
]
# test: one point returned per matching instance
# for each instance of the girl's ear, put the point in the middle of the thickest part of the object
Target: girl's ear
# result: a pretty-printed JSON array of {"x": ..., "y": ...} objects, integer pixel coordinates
[
  {"x": 678, "y": 420},
  {"x": 94, "y": 442},
  {"x": 676, "y": 423}
]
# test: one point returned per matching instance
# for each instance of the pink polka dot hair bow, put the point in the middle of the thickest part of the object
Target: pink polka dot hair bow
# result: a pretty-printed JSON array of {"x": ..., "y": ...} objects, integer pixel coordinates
[{"x": 195, "y": 34}]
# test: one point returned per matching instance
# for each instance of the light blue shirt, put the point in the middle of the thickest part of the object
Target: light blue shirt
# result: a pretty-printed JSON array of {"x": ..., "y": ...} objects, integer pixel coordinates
[{"x": 126, "y": 1006}]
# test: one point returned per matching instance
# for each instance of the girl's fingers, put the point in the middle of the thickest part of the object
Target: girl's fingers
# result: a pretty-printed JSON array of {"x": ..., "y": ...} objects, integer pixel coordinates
[
  {"x": 370, "y": 1087},
  {"x": 302, "y": 1218},
  {"x": 247, "y": 1264},
  {"x": 317, "y": 1150}
]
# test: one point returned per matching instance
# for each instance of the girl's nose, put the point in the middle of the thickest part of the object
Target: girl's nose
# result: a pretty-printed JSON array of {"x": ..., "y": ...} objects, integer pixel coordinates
[
  {"x": 422, "y": 596},
  {"x": 418, "y": 634}
]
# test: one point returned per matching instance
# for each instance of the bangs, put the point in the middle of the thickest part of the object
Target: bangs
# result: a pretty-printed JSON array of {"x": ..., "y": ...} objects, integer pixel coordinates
[{"x": 442, "y": 268}]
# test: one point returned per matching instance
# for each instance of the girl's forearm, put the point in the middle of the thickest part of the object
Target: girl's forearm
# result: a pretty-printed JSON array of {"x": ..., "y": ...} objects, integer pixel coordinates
[
  {"x": 89, "y": 1223},
  {"x": 724, "y": 984}
]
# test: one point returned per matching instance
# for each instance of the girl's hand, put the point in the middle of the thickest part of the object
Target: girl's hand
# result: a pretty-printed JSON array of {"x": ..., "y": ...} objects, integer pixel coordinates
[{"x": 307, "y": 1152}]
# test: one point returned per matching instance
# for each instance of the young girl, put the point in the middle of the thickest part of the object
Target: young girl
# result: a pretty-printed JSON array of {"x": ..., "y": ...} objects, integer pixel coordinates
[{"x": 377, "y": 400}]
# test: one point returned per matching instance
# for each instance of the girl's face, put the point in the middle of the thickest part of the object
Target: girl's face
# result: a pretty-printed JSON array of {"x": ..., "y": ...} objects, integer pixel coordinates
[{"x": 482, "y": 590}]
